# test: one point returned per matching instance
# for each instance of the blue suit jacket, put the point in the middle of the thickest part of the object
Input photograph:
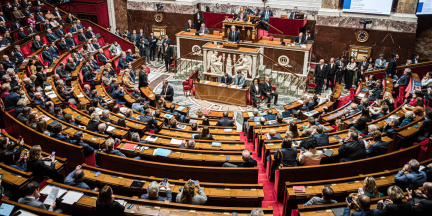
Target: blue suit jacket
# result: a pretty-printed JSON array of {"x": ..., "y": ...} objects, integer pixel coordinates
[
  {"x": 19, "y": 56},
  {"x": 239, "y": 82},
  {"x": 206, "y": 31},
  {"x": 118, "y": 95},
  {"x": 51, "y": 37},
  {"x": 411, "y": 180},
  {"x": 322, "y": 139},
  {"x": 88, "y": 150},
  {"x": 168, "y": 40},
  {"x": 60, "y": 33},
  {"x": 11, "y": 101},
  {"x": 372, "y": 212},
  {"x": 234, "y": 36},
  {"x": 227, "y": 81},
  {"x": 47, "y": 56},
  {"x": 404, "y": 80},
  {"x": 264, "y": 13},
  {"x": 72, "y": 30},
  {"x": 122, "y": 63},
  {"x": 61, "y": 137},
  {"x": 377, "y": 148},
  {"x": 41, "y": 103}
]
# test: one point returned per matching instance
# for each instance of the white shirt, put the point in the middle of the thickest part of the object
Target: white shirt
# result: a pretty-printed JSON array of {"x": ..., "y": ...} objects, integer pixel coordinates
[
  {"x": 256, "y": 87},
  {"x": 321, "y": 67},
  {"x": 267, "y": 15}
]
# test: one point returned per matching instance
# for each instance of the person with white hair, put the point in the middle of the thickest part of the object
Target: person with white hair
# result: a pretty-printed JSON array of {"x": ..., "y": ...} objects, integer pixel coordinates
[
  {"x": 257, "y": 212},
  {"x": 153, "y": 191},
  {"x": 248, "y": 161}
]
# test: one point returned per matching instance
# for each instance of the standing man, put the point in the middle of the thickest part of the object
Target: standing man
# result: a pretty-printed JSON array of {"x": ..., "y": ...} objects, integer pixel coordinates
[
  {"x": 320, "y": 76},
  {"x": 144, "y": 48},
  {"x": 234, "y": 35},
  {"x": 391, "y": 69},
  {"x": 265, "y": 16},
  {"x": 332, "y": 68},
  {"x": 341, "y": 64},
  {"x": 167, "y": 91},
  {"x": 249, "y": 11},
  {"x": 199, "y": 17},
  {"x": 229, "y": 9},
  {"x": 268, "y": 91},
  {"x": 152, "y": 40},
  {"x": 168, "y": 54},
  {"x": 143, "y": 80},
  {"x": 293, "y": 13}
]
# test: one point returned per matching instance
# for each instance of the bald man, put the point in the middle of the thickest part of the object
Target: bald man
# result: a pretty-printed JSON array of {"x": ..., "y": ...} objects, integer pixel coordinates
[
  {"x": 248, "y": 161},
  {"x": 272, "y": 135},
  {"x": 424, "y": 207},
  {"x": 364, "y": 203}
]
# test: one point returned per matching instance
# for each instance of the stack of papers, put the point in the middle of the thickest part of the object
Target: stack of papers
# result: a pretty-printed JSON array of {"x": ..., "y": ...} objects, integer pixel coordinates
[
  {"x": 361, "y": 95},
  {"x": 110, "y": 128},
  {"x": 51, "y": 94},
  {"x": 48, "y": 87},
  {"x": 168, "y": 115},
  {"x": 47, "y": 189},
  {"x": 123, "y": 109},
  {"x": 204, "y": 82},
  {"x": 72, "y": 197},
  {"x": 176, "y": 142},
  {"x": 250, "y": 114},
  {"x": 151, "y": 138},
  {"x": 227, "y": 130},
  {"x": 122, "y": 202},
  {"x": 181, "y": 126},
  {"x": 52, "y": 196},
  {"x": 162, "y": 152},
  {"x": 216, "y": 144}
]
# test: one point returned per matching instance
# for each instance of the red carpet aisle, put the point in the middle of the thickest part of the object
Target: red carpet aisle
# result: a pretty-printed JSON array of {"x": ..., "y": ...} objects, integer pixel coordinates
[{"x": 269, "y": 198}]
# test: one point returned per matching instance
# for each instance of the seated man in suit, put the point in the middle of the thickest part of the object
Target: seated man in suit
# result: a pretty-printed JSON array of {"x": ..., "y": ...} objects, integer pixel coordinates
[
  {"x": 153, "y": 192},
  {"x": 102, "y": 57},
  {"x": 32, "y": 198},
  {"x": 151, "y": 122},
  {"x": 299, "y": 39},
  {"x": 234, "y": 35},
  {"x": 81, "y": 36},
  {"x": 76, "y": 177},
  {"x": 60, "y": 32},
  {"x": 21, "y": 34},
  {"x": 190, "y": 25},
  {"x": 109, "y": 148},
  {"x": 226, "y": 79},
  {"x": 203, "y": 30},
  {"x": 268, "y": 91},
  {"x": 167, "y": 91},
  {"x": 414, "y": 178},
  {"x": 404, "y": 79},
  {"x": 51, "y": 37},
  {"x": 293, "y": 13},
  {"x": 265, "y": 16},
  {"x": 352, "y": 148},
  {"x": 379, "y": 147},
  {"x": 326, "y": 195},
  {"x": 272, "y": 135},
  {"x": 57, "y": 129},
  {"x": 122, "y": 63},
  {"x": 247, "y": 161},
  {"x": 307, "y": 36},
  {"x": 364, "y": 204},
  {"x": 47, "y": 56},
  {"x": 424, "y": 206},
  {"x": 322, "y": 138},
  {"x": 118, "y": 94},
  {"x": 239, "y": 80},
  {"x": 225, "y": 121},
  {"x": 88, "y": 150}
]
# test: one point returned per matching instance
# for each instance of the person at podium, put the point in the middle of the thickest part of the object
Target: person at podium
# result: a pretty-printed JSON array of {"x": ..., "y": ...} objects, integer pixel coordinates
[
  {"x": 293, "y": 13},
  {"x": 242, "y": 15},
  {"x": 265, "y": 16},
  {"x": 190, "y": 25},
  {"x": 203, "y": 30},
  {"x": 225, "y": 79},
  {"x": 234, "y": 35}
]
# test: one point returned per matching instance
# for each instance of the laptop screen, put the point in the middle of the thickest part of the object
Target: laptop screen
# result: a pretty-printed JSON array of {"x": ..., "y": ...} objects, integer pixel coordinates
[
  {"x": 271, "y": 117},
  {"x": 285, "y": 114}
]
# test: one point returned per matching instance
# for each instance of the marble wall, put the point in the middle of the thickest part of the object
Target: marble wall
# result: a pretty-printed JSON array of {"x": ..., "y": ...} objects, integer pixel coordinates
[
  {"x": 407, "y": 6},
  {"x": 121, "y": 18},
  {"x": 331, "y": 4}
]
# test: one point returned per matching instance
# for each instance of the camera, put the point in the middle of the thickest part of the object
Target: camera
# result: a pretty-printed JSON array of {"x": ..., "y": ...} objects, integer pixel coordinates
[{"x": 159, "y": 6}]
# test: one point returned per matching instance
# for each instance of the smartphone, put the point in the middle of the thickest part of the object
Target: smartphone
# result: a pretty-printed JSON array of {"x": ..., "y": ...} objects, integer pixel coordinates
[
  {"x": 195, "y": 182},
  {"x": 97, "y": 174},
  {"x": 165, "y": 181},
  {"x": 361, "y": 191},
  {"x": 53, "y": 153},
  {"x": 1, "y": 175},
  {"x": 349, "y": 199},
  {"x": 25, "y": 152},
  {"x": 302, "y": 148}
]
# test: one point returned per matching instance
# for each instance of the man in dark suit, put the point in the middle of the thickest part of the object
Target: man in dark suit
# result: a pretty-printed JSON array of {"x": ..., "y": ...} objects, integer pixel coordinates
[
  {"x": 118, "y": 94},
  {"x": 62, "y": 73},
  {"x": 40, "y": 17},
  {"x": 81, "y": 36},
  {"x": 51, "y": 37},
  {"x": 365, "y": 65},
  {"x": 152, "y": 40},
  {"x": 332, "y": 68},
  {"x": 247, "y": 161},
  {"x": 265, "y": 17},
  {"x": 56, "y": 13},
  {"x": 167, "y": 91},
  {"x": 391, "y": 68},
  {"x": 272, "y": 134},
  {"x": 320, "y": 76},
  {"x": 307, "y": 36},
  {"x": 168, "y": 54},
  {"x": 46, "y": 54},
  {"x": 102, "y": 57},
  {"x": 321, "y": 138},
  {"x": 364, "y": 203},
  {"x": 60, "y": 32},
  {"x": 27, "y": 11},
  {"x": 234, "y": 35},
  {"x": 38, "y": 9},
  {"x": 299, "y": 39},
  {"x": 13, "y": 97},
  {"x": 16, "y": 25},
  {"x": 416, "y": 59},
  {"x": 293, "y": 13},
  {"x": 57, "y": 129},
  {"x": 143, "y": 79},
  {"x": 122, "y": 63},
  {"x": 199, "y": 17},
  {"x": 190, "y": 25},
  {"x": 424, "y": 206},
  {"x": 32, "y": 197},
  {"x": 379, "y": 147},
  {"x": 151, "y": 122},
  {"x": 340, "y": 72},
  {"x": 90, "y": 33},
  {"x": 352, "y": 148},
  {"x": 140, "y": 35},
  {"x": 3, "y": 17},
  {"x": 226, "y": 79},
  {"x": 404, "y": 79},
  {"x": 225, "y": 121},
  {"x": 18, "y": 54},
  {"x": 70, "y": 42},
  {"x": 268, "y": 91},
  {"x": 166, "y": 39},
  {"x": 203, "y": 30}
]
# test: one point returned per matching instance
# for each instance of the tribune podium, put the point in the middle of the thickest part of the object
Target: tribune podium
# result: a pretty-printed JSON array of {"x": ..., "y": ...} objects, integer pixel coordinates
[{"x": 248, "y": 30}]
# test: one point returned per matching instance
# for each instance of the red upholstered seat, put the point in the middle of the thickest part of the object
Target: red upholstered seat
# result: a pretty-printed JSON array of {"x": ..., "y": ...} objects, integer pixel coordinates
[
  {"x": 91, "y": 160},
  {"x": 187, "y": 87}
]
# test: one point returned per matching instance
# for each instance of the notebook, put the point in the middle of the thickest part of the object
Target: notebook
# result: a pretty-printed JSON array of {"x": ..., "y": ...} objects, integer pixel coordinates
[
  {"x": 176, "y": 142},
  {"x": 162, "y": 152},
  {"x": 180, "y": 108},
  {"x": 137, "y": 184},
  {"x": 327, "y": 152},
  {"x": 72, "y": 197},
  {"x": 262, "y": 113},
  {"x": 168, "y": 115},
  {"x": 299, "y": 189},
  {"x": 151, "y": 138},
  {"x": 129, "y": 147}
]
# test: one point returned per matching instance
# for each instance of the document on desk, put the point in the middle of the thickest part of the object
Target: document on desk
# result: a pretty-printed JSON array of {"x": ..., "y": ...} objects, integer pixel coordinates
[
  {"x": 47, "y": 189},
  {"x": 180, "y": 108},
  {"x": 48, "y": 88},
  {"x": 162, "y": 152},
  {"x": 80, "y": 95},
  {"x": 181, "y": 126},
  {"x": 176, "y": 142},
  {"x": 72, "y": 197},
  {"x": 110, "y": 128},
  {"x": 205, "y": 82},
  {"x": 25, "y": 213},
  {"x": 52, "y": 196},
  {"x": 151, "y": 138}
]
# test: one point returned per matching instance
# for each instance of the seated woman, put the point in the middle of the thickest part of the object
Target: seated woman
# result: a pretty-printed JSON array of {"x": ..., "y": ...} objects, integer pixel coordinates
[
  {"x": 206, "y": 121},
  {"x": 370, "y": 188},
  {"x": 21, "y": 164},
  {"x": 32, "y": 120},
  {"x": 310, "y": 156},
  {"x": 360, "y": 124},
  {"x": 416, "y": 94},
  {"x": 395, "y": 206},
  {"x": 106, "y": 205},
  {"x": 205, "y": 134},
  {"x": 36, "y": 164},
  {"x": 388, "y": 99},
  {"x": 382, "y": 111},
  {"x": 42, "y": 127},
  {"x": 292, "y": 127},
  {"x": 409, "y": 117},
  {"x": 199, "y": 113},
  {"x": 126, "y": 81},
  {"x": 419, "y": 108},
  {"x": 188, "y": 196}
]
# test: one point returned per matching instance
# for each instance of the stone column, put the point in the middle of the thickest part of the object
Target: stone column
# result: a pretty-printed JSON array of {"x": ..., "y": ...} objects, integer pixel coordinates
[
  {"x": 254, "y": 67},
  {"x": 205, "y": 60},
  {"x": 407, "y": 6},
  {"x": 330, "y": 4},
  {"x": 120, "y": 10},
  {"x": 111, "y": 15}
]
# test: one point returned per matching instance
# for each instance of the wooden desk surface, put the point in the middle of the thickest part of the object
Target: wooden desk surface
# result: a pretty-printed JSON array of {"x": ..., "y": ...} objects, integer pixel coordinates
[
  {"x": 223, "y": 94},
  {"x": 189, "y": 134},
  {"x": 241, "y": 48},
  {"x": 337, "y": 113},
  {"x": 293, "y": 105},
  {"x": 192, "y": 34}
]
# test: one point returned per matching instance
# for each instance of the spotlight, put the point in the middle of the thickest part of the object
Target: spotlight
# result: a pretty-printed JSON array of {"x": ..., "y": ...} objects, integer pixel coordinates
[{"x": 159, "y": 6}]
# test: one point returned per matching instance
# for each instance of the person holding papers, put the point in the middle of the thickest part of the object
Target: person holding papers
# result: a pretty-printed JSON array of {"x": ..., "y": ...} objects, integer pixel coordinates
[
  {"x": 32, "y": 196},
  {"x": 225, "y": 79}
]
